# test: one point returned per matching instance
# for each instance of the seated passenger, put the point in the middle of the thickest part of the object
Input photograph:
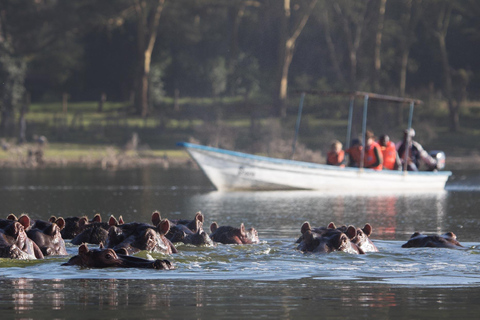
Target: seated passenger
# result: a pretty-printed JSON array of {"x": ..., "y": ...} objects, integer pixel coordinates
[
  {"x": 415, "y": 153},
  {"x": 336, "y": 156},
  {"x": 373, "y": 158},
  {"x": 354, "y": 153},
  {"x": 391, "y": 160}
]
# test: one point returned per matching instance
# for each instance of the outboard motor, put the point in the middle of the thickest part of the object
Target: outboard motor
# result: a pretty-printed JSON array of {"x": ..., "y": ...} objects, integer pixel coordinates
[{"x": 439, "y": 156}]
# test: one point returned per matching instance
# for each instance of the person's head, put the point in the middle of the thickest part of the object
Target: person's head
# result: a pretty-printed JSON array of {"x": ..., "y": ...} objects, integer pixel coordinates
[
  {"x": 408, "y": 133},
  {"x": 384, "y": 140},
  {"x": 336, "y": 146},
  {"x": 369, "y": 137}
]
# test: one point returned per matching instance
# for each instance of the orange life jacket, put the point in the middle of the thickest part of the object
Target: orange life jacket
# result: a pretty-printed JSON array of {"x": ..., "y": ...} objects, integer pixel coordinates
[
  {"x": 334, "y": 158},
  {"x": 370, "y": 158},
  {"x": 389, "y": 155}
]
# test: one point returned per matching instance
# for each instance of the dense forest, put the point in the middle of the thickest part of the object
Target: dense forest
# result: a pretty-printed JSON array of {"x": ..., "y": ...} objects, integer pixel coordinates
[{"x": 143, "y": 51}]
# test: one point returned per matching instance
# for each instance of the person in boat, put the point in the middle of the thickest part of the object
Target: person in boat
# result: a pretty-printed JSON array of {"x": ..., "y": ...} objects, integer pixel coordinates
[
  {"x": 354, "y": 153},
  {"x": 373, "y": 158},
  {"x": 336, "y": 156},
  {"x": 415, "y": 153},
  {"x": 391, "y": 160}
]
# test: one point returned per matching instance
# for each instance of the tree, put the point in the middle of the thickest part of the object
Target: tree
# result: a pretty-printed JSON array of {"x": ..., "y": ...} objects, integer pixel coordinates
[
  {"x": 439, "y": 29},
  {"x": 288, "y": 38},
  {"x": 148, "y": 17}
]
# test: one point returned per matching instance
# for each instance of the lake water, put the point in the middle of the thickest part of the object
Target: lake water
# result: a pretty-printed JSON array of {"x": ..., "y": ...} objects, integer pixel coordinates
[{"x": 269, "y": 280}]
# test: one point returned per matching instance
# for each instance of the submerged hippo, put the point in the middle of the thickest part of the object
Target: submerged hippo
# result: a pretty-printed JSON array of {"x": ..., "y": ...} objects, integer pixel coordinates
[
  {"x": 133, "y": 237},
  {"x": 447, "y": 240},
  {"x": 48, "y": 237},
  {"x": 189, "y": 231},
  {"x": 95, "y": 232},
  {"x": 104, "y": 258},
  {"x": 325, "y": 240},
  {"x": 14, "y": 242},
  {"x": 232, "y": 235}
]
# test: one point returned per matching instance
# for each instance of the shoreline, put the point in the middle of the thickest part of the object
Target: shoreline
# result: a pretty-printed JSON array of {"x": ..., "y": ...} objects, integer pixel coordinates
[{"x": 123, "y": 161}]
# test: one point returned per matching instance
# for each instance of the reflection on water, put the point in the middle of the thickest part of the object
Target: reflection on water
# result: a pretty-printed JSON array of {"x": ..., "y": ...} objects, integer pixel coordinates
[
  {"x": 270, "y": 279},
  {"x": 127, "y": 299}
]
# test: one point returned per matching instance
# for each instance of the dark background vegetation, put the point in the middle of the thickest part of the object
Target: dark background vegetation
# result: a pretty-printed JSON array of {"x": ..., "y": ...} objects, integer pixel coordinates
[{"x": 227, "y": 72}]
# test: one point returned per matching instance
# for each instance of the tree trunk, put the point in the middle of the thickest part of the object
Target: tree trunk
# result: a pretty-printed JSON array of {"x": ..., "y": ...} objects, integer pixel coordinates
[
  {"x": 331, "y": 49},
  {"x": 378, "y": 45},
  {"x": 441, "y": 33},
  {"x": 147, "y": 24},
  {"x": 287, "y": 50}
]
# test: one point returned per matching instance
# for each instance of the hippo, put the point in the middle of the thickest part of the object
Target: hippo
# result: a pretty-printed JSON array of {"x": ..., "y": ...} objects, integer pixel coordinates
[
  {"x": 95, "y": 232},
  {"x": 14, "y": 242},
  {"x": 306, "y": 226},
  {"x": 71, "y": 228},
  {"x": 47, "y": 236},
  {"x": 360, "y": 237},
  {"x": 133, "y": 237},
  {"x": 446, "y": 240},
  {"x": 181, "y": 233},
  {"x": 189, "y": 231},
  {"x": 325, "y": 240},
  {"x": 190, "y": 224},
  {"x": 104, "y": 258},
  {"x": 232, "y": 235}
]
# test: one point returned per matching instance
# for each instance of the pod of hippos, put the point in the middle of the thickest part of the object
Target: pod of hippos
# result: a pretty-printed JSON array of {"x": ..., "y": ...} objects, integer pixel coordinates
[{"x": 24, "y": 238}]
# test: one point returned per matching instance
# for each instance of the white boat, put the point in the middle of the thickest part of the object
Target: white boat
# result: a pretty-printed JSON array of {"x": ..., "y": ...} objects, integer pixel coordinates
[{"x": 231, "y": 171}]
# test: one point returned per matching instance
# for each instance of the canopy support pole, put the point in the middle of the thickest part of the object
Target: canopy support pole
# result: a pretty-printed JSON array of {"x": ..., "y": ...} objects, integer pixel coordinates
[
  {"x": 364, "y": 130},
  {"x": 297, "y": 126},
  {"x": 409, "y": 138},
  {"x": 350, "y": 119}
]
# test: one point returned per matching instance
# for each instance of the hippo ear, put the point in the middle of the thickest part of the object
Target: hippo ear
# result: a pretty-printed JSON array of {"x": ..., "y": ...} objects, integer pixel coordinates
[
  {"x": 83, "y": 221},
  {"x": 331, "y": 225},
  {"x": 213, "y": 227},
  {"x": 351, "y": 232},
  {"x": 199, "y": 216},
  {"x": 242, "y": 228},
  {"x": 112, "y": 221},
  {"x": 164, "y": 226},
  {"x": 12, "y": 217},
  {"x": 52, "y": 219},
  {"x": 199, "y": 225},
  {"x": 450, "y": 235},
  {"x": 101, "y": 246},
  {"x": 24, "y": 221},
  {"x": 60, "y": 222},
  {"x": 156, "y": 218},
  {"x": 416, "y": 234},
  {"x": 97, "y": 218},
  {"x": 120, "y": 220},
  {"x": 305, "y": 227},
  {"x": 367, "y": 229},
  {"x": 83, "y": 249}
]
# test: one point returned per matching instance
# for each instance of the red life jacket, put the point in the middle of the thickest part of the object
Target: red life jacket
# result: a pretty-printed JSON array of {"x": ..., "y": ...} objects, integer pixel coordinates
[
  {"x": 389, "y": 155},
  {"x": 334, "y": 158},
  {"x": 370, "y": 158}
]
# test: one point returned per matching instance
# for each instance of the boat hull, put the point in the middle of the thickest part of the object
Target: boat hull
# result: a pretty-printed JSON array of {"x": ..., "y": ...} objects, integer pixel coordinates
[{"x": 230, "y": 171}]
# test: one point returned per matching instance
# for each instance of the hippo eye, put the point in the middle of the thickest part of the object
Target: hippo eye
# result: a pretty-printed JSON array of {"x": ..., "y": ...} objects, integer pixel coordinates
[{"x": 108, "y": 256}]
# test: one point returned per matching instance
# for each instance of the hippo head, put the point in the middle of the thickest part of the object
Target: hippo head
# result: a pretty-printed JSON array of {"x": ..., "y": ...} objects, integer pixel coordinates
[
  {"x": 360, "y": 237},
  {"x": 446, "y": 240},
  {"x": 103, "y": 258},
  {"x": 48, "y": 237}
]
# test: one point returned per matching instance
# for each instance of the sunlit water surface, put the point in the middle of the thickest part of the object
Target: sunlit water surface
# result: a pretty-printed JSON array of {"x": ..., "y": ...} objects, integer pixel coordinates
[{"x": 270, "y": 279}]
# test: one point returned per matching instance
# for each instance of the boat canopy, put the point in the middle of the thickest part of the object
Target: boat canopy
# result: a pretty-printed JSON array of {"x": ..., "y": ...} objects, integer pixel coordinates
[{"x": 366, "y": 97}]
